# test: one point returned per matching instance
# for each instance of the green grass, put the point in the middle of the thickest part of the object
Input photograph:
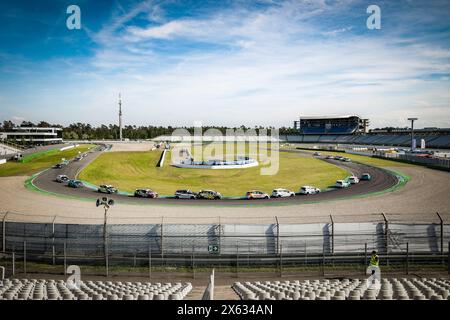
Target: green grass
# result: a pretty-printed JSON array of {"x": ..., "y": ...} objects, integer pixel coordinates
[
  {"x": 125, "y": 269},
  {"x": 36, "y": 155},
  {"x": 44, "y": 161},
  {"x": 131, "y": 170}
]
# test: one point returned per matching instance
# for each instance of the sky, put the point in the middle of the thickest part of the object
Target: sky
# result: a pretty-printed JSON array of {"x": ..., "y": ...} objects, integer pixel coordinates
[{"x": 223, "y": 62}]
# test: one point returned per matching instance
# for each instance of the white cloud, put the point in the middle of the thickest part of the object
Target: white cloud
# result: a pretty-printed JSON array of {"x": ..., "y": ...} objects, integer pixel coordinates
[
  {"x": 17, "y": 120},
  {"x": 164, "y": 31},
  {"x": 335, "y": 32}
]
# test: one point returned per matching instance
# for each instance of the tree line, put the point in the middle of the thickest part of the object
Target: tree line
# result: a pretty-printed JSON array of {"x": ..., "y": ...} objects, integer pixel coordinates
[{"x": 85, "y": 131}]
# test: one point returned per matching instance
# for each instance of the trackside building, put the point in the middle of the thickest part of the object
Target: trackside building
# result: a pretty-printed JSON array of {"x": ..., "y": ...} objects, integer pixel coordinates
[{"x": 33, "y": 135}]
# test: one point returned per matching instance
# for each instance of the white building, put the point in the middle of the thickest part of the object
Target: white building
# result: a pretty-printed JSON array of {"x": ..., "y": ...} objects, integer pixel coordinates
[{"x": 33, "y": 135}]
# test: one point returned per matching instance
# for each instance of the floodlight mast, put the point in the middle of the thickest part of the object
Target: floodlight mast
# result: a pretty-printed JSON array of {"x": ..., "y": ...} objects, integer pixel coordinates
[
  {"x": 107, "y": 203},
  {"x": 120, "y": 118},
  {"x": 412, "y": 132}
]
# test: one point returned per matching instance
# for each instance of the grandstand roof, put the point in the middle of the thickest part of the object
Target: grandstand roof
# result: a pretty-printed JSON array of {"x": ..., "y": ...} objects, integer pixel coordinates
[{"x": 329, "y": 117}]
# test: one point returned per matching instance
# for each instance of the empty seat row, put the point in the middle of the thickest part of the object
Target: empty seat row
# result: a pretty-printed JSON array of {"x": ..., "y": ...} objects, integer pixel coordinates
[
  {"x": 432, "y": 141},
  {"x": 347, "y": 289},
  {"x": 34, "y": 289}
]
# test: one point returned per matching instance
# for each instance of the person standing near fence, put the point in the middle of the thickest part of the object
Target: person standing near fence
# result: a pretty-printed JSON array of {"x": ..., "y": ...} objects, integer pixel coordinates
[
  {"x": 374, "y": 261},
  {"x": 374, "y": 271}
]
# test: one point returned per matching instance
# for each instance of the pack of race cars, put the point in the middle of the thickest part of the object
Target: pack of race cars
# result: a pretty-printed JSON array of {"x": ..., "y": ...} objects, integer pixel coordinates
[
  {"x": 211, "y": 194},
  {"x": 214, "y": 195}
]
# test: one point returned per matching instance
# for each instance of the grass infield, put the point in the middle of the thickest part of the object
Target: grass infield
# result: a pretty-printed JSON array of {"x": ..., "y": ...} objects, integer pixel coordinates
[
  {"x": 43, "y": 161},
  {"x": 131, "y": 170}
]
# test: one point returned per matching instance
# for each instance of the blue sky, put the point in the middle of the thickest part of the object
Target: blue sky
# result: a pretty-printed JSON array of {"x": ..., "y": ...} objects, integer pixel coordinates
[{"x": 225, "y": 62}]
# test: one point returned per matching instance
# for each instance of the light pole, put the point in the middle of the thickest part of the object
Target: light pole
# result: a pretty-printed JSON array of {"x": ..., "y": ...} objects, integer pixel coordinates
[
  {"x": 106, "y": 203},
  {"x": 412, "y": 132}
]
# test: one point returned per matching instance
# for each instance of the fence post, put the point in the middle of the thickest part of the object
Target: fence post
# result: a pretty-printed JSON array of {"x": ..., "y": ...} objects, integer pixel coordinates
[
  {"x": 4, "y": 233},
  {"x": 306, "y": 256},
  {"x": 442, "y": 234},
  {"x": 193, "y": 261},
  {"x": 386, "y": 237},
  {"x": 150, "y": 261},
  {"x": 237, "y": 260},
  {"x": 220, "y": 236},
  {"x": 281, "y": 260},
  {"x": 14, "y": 263},
  {"x": 248, "y": 254},
  {"x": 162, "y": 238},
  {"x": 278, "y": 235},
  {"x": 25, "y": 257},
  {"x": 332, "y": 234},
  {"x": 105, "y": 243},
  {"x": 407, "y": 258},
  {"x": 65, "y": 257},
  {"x": 323, "y": 260},
  {"x": 53, "y": 241},
  {"x": 106, "y": 261},
  {"x": 365, "y": 257}
]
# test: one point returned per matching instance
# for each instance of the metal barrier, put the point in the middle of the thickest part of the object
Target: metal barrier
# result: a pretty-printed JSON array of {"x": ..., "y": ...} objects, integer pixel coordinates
[
  {"x": 437, "y": 162},
  {"x": 279, "y": 244},
  {"x": 382, "y": 232},
  {"x": 191, "y": 265}
]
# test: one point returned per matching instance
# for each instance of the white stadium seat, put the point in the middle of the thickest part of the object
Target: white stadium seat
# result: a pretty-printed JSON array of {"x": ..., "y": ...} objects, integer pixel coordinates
[
  {"x": 355, "y": 289},
  {"x": 32, "y": 289}
]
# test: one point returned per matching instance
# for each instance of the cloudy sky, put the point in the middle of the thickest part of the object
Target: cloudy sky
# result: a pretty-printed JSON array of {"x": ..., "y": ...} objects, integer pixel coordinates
[{"x": 225, "y": 62}]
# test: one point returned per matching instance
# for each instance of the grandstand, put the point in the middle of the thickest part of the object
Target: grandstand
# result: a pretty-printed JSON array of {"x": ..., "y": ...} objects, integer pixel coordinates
[
  {"x": 351, "y": 124},
  {"x": 431, "y": 141},
  {"x": 353, "y": 130}
]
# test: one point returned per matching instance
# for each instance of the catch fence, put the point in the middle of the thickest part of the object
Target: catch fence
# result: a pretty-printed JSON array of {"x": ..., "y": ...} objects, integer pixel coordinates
[{"x": 285, "y": 244}]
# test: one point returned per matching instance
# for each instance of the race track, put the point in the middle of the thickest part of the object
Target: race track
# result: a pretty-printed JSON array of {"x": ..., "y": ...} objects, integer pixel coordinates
[
  {"x": 426, "y": 193},
  {"x": 381, "y": 180}
]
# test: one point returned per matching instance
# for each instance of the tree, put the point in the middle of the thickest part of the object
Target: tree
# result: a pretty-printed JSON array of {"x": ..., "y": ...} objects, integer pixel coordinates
[
  {"x": 7, "y": 125},
  {"x": 43, "y": 124},
  {"x": 27, "y": 124}
]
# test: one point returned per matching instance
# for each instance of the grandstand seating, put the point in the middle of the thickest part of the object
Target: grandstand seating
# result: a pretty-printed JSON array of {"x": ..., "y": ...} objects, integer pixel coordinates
[
  {"x": 345, "y": 139},
  {"x": 431, "y": 141},
  {"x": 33, "y": 289},
  {"x": 311, "y": 138},
  {"x": 294, "y": 138},
  {"x": 333, "y": 130},
  {"x": 439, "y": 142},
  {"x": 314, "y": 130},
  {"x": 400, "y": 140},
  {"x": 346, "y": 289},
  {"x": 342, "y": 130},
  {"x": 328, "y": 138}
]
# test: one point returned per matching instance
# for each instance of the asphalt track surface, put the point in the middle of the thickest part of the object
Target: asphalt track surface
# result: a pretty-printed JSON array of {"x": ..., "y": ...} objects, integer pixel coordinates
[{"x": 381, "y": 180}]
